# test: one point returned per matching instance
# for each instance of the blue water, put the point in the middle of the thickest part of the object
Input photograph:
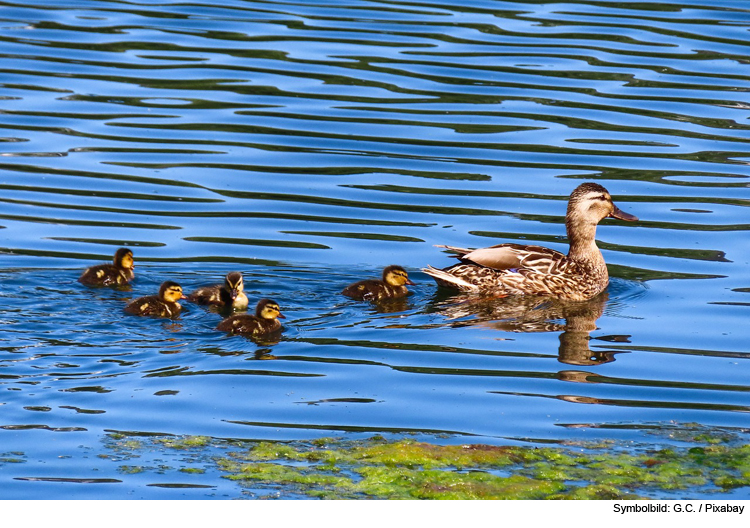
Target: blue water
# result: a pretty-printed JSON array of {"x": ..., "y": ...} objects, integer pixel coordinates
[{"x": 309, "y": 145}]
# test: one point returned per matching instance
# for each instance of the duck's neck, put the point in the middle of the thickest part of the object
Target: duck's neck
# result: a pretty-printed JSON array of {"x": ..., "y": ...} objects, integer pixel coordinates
[{"x": 582, "y": 238}]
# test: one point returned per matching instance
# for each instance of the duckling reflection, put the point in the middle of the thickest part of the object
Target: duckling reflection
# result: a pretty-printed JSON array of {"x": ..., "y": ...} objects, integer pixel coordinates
[{"x": 575, "y": 319}]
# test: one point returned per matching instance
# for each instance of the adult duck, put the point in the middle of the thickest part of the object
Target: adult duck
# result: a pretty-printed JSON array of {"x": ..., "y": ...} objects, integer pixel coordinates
[{"x": 517, "y": 269}]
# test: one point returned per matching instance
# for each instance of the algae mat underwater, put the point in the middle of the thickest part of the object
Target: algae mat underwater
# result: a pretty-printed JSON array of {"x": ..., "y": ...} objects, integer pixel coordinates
[{"x": 708, "y": 465}]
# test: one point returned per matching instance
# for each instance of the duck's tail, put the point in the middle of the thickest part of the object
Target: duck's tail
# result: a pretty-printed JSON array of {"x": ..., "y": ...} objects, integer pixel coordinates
[
  {"x": 457, "y": 252},
  {"x": 445, "y": 278}
]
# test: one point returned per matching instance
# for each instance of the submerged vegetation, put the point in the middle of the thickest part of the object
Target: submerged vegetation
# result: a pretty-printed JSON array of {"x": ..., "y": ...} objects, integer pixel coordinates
[{"x": 711, "y": 466}]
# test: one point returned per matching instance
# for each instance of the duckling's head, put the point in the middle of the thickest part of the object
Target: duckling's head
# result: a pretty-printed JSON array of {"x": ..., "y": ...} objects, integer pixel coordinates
[
  {"x": 124, "y": 258},
  {"x": 234, "y": 284},
  {"x": 396, "y": 276},
  {"x": 268, "y": 309},
  {"x": 170, "y": 292},
  {"x": 589, "y": 204}
]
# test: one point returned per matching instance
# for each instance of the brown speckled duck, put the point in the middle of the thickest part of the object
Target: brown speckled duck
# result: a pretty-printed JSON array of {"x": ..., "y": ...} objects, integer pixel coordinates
[
  {"x": 264, "y": 322},
  {"x": 391, "y": 287},
  {"x": 231, "y": 293},
  {"x": 119, "y": 273},
  {"x": 517, "y": 269},
  {"x": 162, "y": 305}
]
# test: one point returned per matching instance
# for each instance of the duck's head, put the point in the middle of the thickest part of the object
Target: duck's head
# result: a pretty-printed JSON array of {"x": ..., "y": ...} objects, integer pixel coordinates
[
  {"x": 124, "y": 258},
  {"x": 590, "y": 203},
  {"x": 234, "y": 284},
  {"x": 268, "y": 309},
  {"x": 170, "y": 292},
  {"x": 396, "y": 276}
]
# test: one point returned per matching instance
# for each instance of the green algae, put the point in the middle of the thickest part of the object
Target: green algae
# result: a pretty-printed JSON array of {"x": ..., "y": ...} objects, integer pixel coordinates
[
  {"x": 131, "y": 470},
  {"x": 185, "y": 442},
  {"x": 407, "y": 469},
  {"x": 193, "y": 470},
  {"x": 705, "y": 465}
]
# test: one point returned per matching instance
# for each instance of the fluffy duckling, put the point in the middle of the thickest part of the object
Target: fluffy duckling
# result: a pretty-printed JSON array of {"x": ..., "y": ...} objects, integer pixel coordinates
[
  {"x": 391, "y": 287},
  {"x": 162, "y": 305},
  {"x": 119, "y": 273},
  {"x": 231, "y": 293},
  {"x": 264, "y": 322}
]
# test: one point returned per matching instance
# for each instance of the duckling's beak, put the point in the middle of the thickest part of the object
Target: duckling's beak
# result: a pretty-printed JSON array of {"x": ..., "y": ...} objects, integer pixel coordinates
[
  {"x": 234, "y": 293},
  {"x": 183, "y": 296},
  {"x": 621, "y": 215},
  {"x": 281, "y": 316},
  {"x": 409, "y": 281}
]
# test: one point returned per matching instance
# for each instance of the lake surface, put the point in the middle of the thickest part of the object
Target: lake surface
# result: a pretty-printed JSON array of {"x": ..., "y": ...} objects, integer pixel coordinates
[{"x": 309, "y": 145}]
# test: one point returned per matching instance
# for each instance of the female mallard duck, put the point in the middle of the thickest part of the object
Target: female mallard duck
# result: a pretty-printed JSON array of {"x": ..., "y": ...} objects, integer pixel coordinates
[
  {"x": 516, "y": 269},
  {"x": 264, "y": 322},
  {"x": 119, "y": 273},
  {"x": 162, "y": 305},
  {"x": 391, "y": 287},
  {"x": 231, "y": 293}
]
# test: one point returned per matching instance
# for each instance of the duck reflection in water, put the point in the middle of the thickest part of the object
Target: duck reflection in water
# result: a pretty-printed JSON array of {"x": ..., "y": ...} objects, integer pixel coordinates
[{"x": 523, "y": 313}]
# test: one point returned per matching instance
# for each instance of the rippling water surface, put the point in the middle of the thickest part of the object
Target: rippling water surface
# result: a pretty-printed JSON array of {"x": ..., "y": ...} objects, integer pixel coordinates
[{"x": 310, "y": 144}]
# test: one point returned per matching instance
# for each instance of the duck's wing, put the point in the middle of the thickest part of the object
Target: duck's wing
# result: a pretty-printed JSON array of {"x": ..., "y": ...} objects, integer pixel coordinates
[
  {"x": 515, "y": 257},
  {"x": 207, "y": 295},
  {"x": 150, "y": 305},
  {"x": 366, "y": 290}
]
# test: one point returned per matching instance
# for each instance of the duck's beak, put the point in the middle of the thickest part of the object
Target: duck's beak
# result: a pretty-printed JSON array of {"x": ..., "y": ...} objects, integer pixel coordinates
[
  {"x": 234, "y": 293},
  {"x": 621, "y": 215},
  {"x": 409, "y": 281},
  {"x": 281, "y": 316}
]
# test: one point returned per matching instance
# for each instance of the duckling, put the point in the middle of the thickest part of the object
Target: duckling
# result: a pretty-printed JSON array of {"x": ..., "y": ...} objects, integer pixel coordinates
[
  {"x": 162, "y": 305},
  {"x": 231, "y": 293},
  {"x": 391, "y": 287},
  {"x": 264, "y": 322},
  {"x": 119, "y": 273},
  {"x": 518, "y": 269}
]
